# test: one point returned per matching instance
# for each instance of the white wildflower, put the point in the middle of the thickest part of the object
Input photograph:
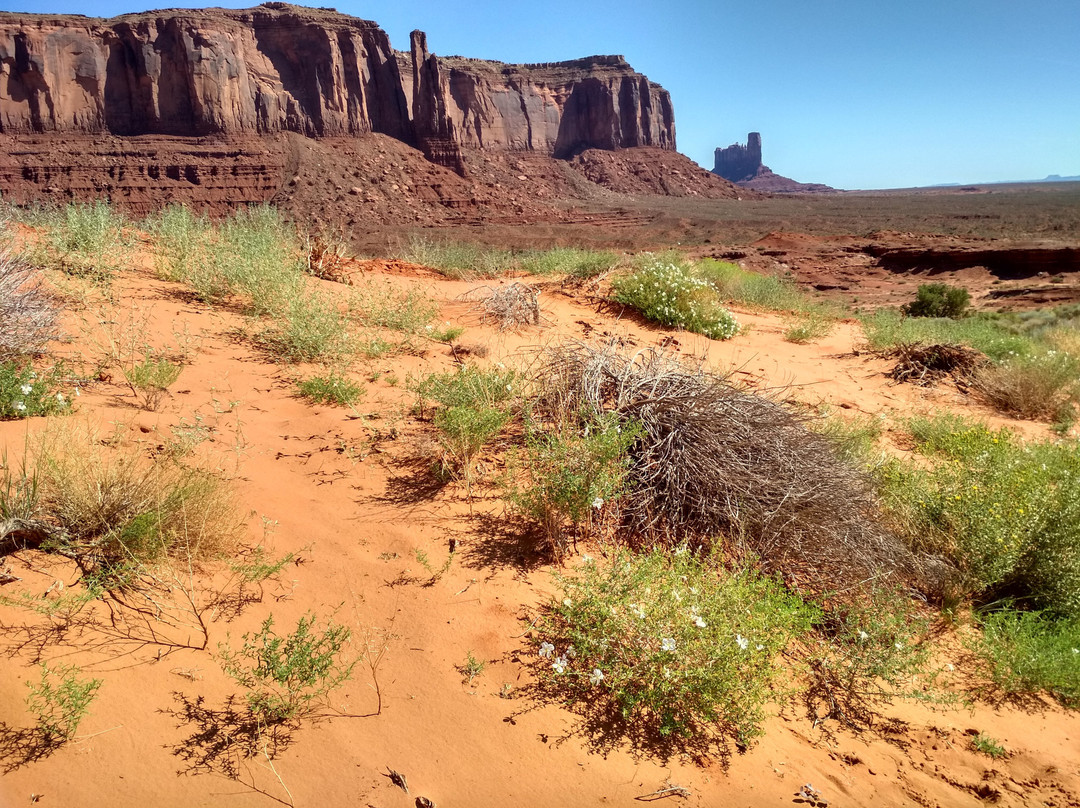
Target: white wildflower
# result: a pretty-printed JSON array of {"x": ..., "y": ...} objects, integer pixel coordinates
[
  {"x": 675, "y": 594},
  {"x": 742, "y": 642},
  {"x": 26, "y": 388},
  {"x": 598, "y": 503},
  {"x": 567, "y": 602},
  {"x": 586, "y": 558},
  {"x": 20, "y": 407},
  {"x": 559, "y": 665},
  {"x": 667, "y": 643},
  {"x": 597, "y": 677},
  {"x": 546, "y": 650},
  {"x": 759, "y": 647},
  {"x": 570, "y": 653},
  {"x": 863, "y": 636},
  {"x": 899, "y": 646},
  {"x": 60, "y": 398}
]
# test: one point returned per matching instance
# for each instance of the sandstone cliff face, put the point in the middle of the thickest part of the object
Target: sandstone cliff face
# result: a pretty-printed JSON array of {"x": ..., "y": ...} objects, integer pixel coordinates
[{"x": 280, "y": 68}]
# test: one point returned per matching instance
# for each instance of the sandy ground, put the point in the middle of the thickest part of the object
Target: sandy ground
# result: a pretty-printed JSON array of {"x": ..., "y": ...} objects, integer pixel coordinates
[{"x": 342, "y": 490}]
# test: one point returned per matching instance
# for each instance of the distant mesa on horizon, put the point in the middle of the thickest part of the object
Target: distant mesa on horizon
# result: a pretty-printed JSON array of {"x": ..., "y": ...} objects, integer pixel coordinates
[{"x": 741, "y": 164}]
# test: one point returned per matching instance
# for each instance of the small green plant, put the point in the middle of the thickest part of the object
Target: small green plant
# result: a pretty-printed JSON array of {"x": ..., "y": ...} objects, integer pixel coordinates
[
  {"x": 471, "y": 668},
  {"x": 863, "y": 653},
  {"x": 568, "y": 477},
  {"x": 461, "y": 261},
  {"x": 667, "y": 645},
  {"x": 752, "y": 289},
  {"x": 887, "y": 328},
  {"x": 988, "y": 746},
  {"x": 1024, "y": 653},
  {"x": 288, "y": 677},
  {"x": 385, "y": 306},
  {"x": 1043, "y": 384},
  {"x": 151, "y": 378},
  {"x": 463, "y": 432},
  {"x": 60, "y": 700},
  {"x": 809, "y": 326},
  {"x": 310, "y": 328},
  {"x": 331, "y": 389},
  {"x": 25, "y": 393},
  {"x": 939, "y": 300},
  {"x": 672, "y": 294},
  {"x": 444, "y": 333}
]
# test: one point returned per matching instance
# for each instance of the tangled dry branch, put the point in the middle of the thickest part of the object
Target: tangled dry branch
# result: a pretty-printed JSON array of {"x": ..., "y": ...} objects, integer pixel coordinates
[
  {"x": 29, "y": 313},
  {"x": 928, "y": 364},
  {"x": 510, "y": 307},
  {"x": 715, "y": 462}
]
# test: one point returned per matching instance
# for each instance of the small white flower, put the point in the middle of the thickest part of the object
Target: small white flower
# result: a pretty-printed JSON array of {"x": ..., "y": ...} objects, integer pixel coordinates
[
  {"x": 20, "y": 407},
  {"x": 680, "y": 550},
  {"x": 567, "y": 602},
  {"x": 60, "y": 398},
  {"x": 596, "y": 677},
  {"x": 598, "y": 503},
  {"x": 559, "y": 665},
  {"x": 699, "y": 621},
  {"x": 509, "y": 388},
  {"x": 26, "y": 388},
  {"x": 638, "y": 610},
  {"x": 570, "y": 653},
  {"x": 1076, "y": 650},
  {"x": 586, "y": 558},
  {"x": 667, "y": 644},
  {"x": 950, "y": 666},
  {"x": 863, "y": 636},
  {"x": 77, "y": 393},
  {"x": 675, "y": 594},
  {"x": 759, "y": 647},
  {"x": 546, "y": 650},
  {"x": 899, "y": 646},
  {"x": 742, "y": 642}
]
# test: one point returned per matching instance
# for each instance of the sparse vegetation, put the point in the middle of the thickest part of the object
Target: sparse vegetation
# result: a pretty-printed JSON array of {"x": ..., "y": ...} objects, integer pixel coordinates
[
  {"x": 331, "y": 389},
  {"x": 151, "y": 378},
  {"x": 60, "y": 700},
  {"x": 988, "y": 746},
  {"x": 289, "y": 677},
  {"x": 471, "y": 668},
  {"x": 25, "y": 393},
  {"x": 82, "y": 239}
]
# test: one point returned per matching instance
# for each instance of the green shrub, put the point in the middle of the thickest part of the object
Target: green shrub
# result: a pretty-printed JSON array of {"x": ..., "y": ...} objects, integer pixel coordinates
[
  {"x": 862, "y": 653},
  {"x": 25, "y": 393},
  {"x": 938, "y": 300},
  {"x": 331, "y": 389},
  {"x": 666, "y": 646},
  {"x": 463, "y": 432},
  {"x": 809, "y": 326},
  {"x": 462, "y": 261},
  {"x": 470, "y": 386},
  {"x": 288, "y": 677},
  {"x": 1024, "y": 653},
  {"x": 384, "y": 306},
  {"x": 568, "y": 476},
  {"x": 674, "y": 295},
  {"x": 60, "y": 701},
  {"x": 1004, "y": 513}
]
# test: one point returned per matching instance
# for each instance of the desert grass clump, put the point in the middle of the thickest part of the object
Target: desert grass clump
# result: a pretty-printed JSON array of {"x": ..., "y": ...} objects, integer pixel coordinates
[
  {"x": 887, "y": 328},
  {"x": 1043, "y": 385},
  {"x": 385, "y": 306},
  {"x": 674, "y": 295},
  {"x": 334, "y": 388},
  {"x": 459, "y": 260},
  {"x": 666, "y": 650},
  {"x": 312, "y": 327},
  {"x": 752, "y": 289},
  {"x": 151, "y": 377},
  {"x": 809, "y": 326},
  {"x": 114, "y": 507},
  {"x": 1025, "y": 653},
  {"x": 713, "y": 463},
  {"x": 573, "y": 261},
  {"x": 29, "y": 313},
  {"x": 83, "y": 239}
]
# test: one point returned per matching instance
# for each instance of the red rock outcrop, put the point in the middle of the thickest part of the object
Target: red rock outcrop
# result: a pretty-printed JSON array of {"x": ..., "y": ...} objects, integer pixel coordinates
[
  {"x": 741, "y": 164},
  {"x": 281, "y": 68}
]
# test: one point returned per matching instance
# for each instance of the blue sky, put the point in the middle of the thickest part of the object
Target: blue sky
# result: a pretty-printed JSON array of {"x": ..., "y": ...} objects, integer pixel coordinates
[{"x": 852, "y": 93}]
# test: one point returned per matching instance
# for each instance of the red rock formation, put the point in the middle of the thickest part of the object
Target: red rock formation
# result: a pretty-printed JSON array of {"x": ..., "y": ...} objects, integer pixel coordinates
[
  {"x": 742, "y": 165},
  {"x": 282, "y": 68}
]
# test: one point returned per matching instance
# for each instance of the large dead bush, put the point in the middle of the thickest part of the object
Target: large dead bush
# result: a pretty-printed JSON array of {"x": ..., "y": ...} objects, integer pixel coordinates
[
  {"x": 715, "y": 463},
  {"x": 29, "y": 313}
]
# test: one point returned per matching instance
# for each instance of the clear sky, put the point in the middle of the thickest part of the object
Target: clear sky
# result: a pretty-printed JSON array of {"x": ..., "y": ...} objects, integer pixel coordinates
[{"x": 851, "y": 93}]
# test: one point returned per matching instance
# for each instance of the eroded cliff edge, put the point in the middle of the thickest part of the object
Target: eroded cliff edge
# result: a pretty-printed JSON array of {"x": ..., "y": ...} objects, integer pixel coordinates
[{"x": 280, "y": 68}]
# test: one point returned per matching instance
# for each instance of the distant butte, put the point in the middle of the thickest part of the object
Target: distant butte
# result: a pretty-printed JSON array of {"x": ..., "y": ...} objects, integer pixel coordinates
[{"x": 741, "y": 164}]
